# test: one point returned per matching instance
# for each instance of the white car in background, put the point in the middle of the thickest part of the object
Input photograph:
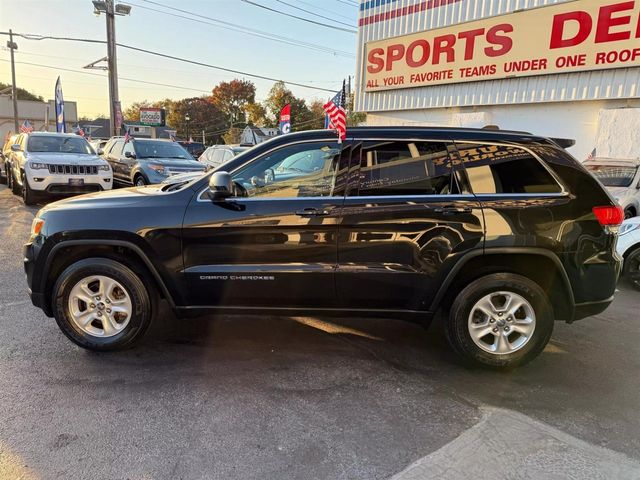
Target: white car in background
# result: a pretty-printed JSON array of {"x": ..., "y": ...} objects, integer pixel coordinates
[
  {"x": 43, "y": 164},
  {"x": 629, "y": 249},
  {"x": 622, "y": 179}
]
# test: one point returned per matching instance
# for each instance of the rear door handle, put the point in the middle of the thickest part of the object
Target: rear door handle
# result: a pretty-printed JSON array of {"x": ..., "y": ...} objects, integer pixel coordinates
[
  {"x": 452, "y": 210},
  {"x": 312, "y": 212}
]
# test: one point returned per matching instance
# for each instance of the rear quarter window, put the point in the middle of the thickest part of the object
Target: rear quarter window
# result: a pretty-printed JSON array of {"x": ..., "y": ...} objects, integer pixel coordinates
[{"x": 505, "y": 169}]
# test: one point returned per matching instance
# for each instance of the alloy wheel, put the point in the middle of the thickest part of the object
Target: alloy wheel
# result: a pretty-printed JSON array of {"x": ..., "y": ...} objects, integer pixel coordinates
[
  {"x": 100, "y": 306},
  {"x": 502, "y": 322}
]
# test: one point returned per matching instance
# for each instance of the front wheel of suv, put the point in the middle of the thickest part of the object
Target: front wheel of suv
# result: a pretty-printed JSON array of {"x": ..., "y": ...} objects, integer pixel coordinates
[
  {"x": 28, "y": 195},
  {"x": 15, "y": 186},
  {"x": 500, "y": 321},
  {"x": 101, "y": 304}
]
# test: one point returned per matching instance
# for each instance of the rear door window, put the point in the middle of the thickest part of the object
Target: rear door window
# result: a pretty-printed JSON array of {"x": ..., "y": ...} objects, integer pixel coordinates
[
  {"x": 505, "y": 169},
  {"x": 116, "y": 150},
  {"x": 401, "y": 168}
]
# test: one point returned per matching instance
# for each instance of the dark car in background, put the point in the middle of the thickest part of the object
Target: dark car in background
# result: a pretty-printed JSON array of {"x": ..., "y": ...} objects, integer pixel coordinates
[
  {"x": 498, "y": 233},
  {"x": 194, "y": 148},
  {"x": 142, "y": 161}
]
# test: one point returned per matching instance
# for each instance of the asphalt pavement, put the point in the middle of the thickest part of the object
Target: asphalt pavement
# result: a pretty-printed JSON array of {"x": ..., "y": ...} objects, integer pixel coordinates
[{"x": 265, "y": 397}]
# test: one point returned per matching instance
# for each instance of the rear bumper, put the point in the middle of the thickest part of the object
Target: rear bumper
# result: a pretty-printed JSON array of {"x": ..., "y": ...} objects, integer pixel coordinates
[{"x": 588, "y": 309}]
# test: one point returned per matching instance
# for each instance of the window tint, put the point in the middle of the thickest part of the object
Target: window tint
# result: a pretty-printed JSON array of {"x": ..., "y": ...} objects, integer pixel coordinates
[
  {"x": 301, "y": 170},
  {"x": 128, "y": 147},
  {"x": 116, "y": 150},
  {"x": 405, "y": 168},
  {"x": 505, "y": 169}
]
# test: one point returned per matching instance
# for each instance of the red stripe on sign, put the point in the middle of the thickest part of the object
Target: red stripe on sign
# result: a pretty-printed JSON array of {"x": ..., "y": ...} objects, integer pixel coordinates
[{"x": 401, "y": 12}]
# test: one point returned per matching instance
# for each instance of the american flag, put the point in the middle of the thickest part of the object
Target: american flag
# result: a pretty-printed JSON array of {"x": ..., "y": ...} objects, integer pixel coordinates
[
  {"x": 592, "y": 155},
  {"x": 172, "y": 138},
  {"x": 335, "y": 109},
  {"x": 78, "y": 130},
  {"x": 26, "y": 127},
  {"x": 127, "y": 136}
]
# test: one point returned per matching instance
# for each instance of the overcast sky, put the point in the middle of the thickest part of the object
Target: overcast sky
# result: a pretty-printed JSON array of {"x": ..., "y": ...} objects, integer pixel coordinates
[{"x": 179, "y": 37}]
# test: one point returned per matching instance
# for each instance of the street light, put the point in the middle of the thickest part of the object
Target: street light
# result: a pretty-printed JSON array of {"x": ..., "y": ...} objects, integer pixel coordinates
[
  {"x": 107, "y": 7},
  {"x": 187, "y": 119}
]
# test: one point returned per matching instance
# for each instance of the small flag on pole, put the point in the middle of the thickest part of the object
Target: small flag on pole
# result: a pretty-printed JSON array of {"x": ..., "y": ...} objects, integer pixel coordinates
[
  {"x": 127, "y": 136},
  {"x": 592, "y": 155},
  {"x": 26, "y": 127},
  {"x": 78, "y": 130},
  {"x": 335, "y": 109}
]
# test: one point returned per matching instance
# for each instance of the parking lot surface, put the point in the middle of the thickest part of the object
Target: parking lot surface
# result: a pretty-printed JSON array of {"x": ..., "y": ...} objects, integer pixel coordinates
[{"x": 264, "y": 397}]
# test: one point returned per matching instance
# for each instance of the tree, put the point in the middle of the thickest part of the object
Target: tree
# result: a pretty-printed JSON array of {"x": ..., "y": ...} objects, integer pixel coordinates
[
  {"x": 22, "y": 94},
  {"x": 132, "y": 114},
  {"x": 232, "y": 97},
  {"x": 279, "y": 96},
  {"x": 203, "y": 115},
  {"x": 256, "y": 114},
  {"x": 232, "y": 136}
]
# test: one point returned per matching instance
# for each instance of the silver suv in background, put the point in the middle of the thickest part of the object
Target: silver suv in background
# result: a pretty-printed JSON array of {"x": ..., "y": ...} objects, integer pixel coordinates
[
  {"x": 622, "y": 179},
  {"x": 145, "y": 161},
  {"x": 217, "y": 155},
  {"x": 45, "y": 164}
]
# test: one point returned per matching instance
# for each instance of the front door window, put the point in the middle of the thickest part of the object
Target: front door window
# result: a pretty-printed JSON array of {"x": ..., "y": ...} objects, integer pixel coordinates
[{"x": 295, "y": 171}]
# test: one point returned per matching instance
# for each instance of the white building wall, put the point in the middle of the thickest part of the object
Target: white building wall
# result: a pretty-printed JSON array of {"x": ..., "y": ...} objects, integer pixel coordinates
[{"x": 581, "y": 121}]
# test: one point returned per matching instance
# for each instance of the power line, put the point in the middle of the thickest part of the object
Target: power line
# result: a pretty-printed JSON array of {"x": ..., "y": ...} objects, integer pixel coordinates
[
  {"x": 351, "y": 4},
  {"x": 298, "y": 18},
  {"x": 104, "y": 76},
  {"x": 164, "y": 55},
  {"x": 323, "y": 9},
  {"x": 312, "y": 13},
  {"x": 245, "y": 30}
]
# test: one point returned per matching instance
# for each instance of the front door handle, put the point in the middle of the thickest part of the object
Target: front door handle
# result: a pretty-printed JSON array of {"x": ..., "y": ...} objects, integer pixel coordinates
[
  {"x": 312, "y": 212},
  {"x": 452, "y": 210}
]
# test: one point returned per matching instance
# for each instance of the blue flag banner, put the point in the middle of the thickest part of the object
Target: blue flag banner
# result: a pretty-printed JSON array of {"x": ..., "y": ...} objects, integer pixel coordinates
[{"x": 60, "y": 125}]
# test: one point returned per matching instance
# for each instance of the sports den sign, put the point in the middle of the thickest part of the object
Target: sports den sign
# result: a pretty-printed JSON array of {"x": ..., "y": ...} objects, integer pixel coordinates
[{"x": 567, "y": 37}]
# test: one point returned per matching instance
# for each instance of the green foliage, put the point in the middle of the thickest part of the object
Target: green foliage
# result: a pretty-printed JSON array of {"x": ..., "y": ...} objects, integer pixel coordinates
[
  {"x": 23, "y": 94},
  {"x": 232, "y": 97}
]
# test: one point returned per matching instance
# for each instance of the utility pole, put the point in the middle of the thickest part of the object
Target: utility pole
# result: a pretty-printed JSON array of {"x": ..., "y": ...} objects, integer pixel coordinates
[
  {"x": 14, "y": 92},
  {"x": 112, "y": 63},
  {"x": 110, "y": 10}
]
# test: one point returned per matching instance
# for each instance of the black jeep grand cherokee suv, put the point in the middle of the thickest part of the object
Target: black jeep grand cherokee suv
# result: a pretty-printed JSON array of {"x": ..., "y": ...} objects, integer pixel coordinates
[{"x": 502, "y": 232}]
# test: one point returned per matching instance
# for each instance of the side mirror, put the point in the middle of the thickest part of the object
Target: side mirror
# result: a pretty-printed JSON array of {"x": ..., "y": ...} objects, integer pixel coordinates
[
  {"x": 129, "y": 154},
  {"x": 15, "y": 148},
  {"x": 100, "y": 151},
  {"x": 220, "y": 186}
]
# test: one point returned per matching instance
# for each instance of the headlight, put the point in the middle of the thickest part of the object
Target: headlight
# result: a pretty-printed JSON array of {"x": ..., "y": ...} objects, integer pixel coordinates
[
  {"x": 157, "y": 168},
  {"x": 36, "y": 226},
  {"x": 38, "y": 166},
  {"x": 628, "y": 228},
  {"x": 104, "y": 167}
]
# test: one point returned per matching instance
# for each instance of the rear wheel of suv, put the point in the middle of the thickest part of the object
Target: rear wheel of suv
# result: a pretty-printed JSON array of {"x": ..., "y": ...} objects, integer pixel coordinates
[
  {"x": 501, "y": 320},
  {"x": 101, "y": 304},
  {"x": 28, "y": 196},
  {"x": 631, "y": 269}
]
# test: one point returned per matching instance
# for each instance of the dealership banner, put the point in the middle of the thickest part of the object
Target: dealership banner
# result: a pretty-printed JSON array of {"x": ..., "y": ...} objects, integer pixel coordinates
[
  {"x": 154, "y": 117},
  {"x": 285, "y": 119},
  {"x": 563, "y": 38}
]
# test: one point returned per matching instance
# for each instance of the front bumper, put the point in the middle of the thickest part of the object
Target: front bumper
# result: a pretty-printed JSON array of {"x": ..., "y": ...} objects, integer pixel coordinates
[{"x": 43, "y": 181}]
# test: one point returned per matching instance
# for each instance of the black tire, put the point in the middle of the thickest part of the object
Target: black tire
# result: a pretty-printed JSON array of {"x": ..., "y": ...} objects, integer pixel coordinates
[
  {"x": 631, "y": 269},
  {"x": 132, "y": 283},
  {"x": 139, "y": 181},
  {"x": 629, "y": 213},
  {"x": 9, "y": 172},
  {"x": 15, "y": 187},
  {"x": 3, "y": 177},
  {"x": 457, "y": 326},
  {"x": 28, "y": 196}
]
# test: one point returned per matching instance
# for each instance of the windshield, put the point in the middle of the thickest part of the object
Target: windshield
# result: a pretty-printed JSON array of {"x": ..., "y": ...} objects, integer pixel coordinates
[
  {"x": 55, "y": 144},
  {"x": 157, "y": 149},
  {"x": 613, "y": 176}
]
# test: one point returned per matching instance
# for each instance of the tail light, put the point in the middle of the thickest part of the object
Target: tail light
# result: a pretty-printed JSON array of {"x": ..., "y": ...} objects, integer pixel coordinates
[{"x": 609, "y": 217}]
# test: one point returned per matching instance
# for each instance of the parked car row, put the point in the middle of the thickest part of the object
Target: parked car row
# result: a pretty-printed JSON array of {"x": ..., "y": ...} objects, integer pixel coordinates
[{"x": 38, "y": 165}]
